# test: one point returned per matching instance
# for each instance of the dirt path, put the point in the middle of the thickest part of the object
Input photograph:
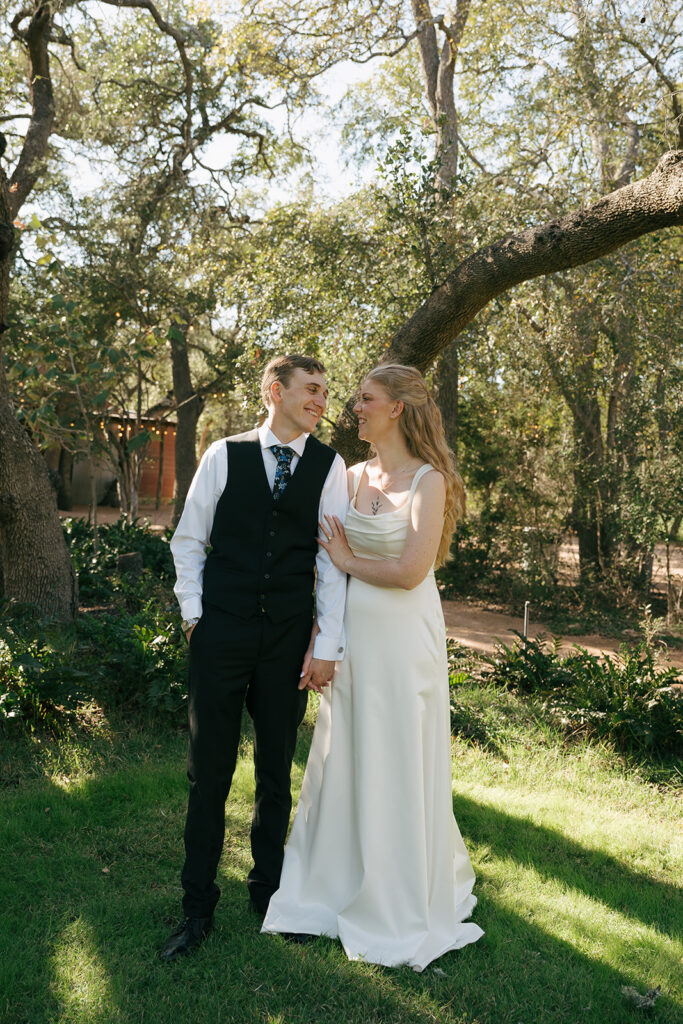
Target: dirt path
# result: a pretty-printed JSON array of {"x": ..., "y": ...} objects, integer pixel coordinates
[{"x": 479, "y": 629}]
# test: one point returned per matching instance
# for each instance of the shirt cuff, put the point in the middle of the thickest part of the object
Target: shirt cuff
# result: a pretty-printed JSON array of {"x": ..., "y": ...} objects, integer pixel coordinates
[
  {"x": 191, "y": 608},
  {"x": 328, "y": 648}
]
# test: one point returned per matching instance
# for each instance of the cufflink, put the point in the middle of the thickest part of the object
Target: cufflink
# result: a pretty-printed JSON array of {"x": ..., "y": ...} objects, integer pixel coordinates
[{"x": 340, "y": 650}]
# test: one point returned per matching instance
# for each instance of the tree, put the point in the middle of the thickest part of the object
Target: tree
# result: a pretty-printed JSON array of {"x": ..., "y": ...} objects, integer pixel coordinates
[
  {"x": 628, "y": 213},
  {"x": 35, "y": 562},
  {"x": 201, "y": 103},
  {"x": 193, "y": 113}
]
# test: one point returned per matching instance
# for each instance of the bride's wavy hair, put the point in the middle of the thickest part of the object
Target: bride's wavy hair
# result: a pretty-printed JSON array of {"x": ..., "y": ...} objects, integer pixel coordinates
[{"x": 423, "y": 430}]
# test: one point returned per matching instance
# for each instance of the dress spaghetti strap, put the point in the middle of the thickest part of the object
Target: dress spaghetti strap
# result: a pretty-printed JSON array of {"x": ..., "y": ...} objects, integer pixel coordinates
[
  {"x": 358, "y": 476},
  {"x": 416, "y": 479}
]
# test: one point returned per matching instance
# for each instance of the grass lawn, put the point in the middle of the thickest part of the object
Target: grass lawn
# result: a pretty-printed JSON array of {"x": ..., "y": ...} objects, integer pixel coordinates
[{"x": 577, "y": 859}]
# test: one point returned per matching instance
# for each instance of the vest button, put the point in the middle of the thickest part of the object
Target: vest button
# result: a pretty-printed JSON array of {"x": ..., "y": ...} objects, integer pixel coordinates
[
  {"x": 266, "y": 575},
  {"x": 272, "y": 533},
  {"x": 274, "y": 513},
  {"x": 269, "y": 554}
]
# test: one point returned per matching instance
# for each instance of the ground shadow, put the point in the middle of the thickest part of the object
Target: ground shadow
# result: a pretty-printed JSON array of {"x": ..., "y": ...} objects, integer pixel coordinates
[
  {"x": 552, "y": 854},
  {"x": 100, "y": 869}
]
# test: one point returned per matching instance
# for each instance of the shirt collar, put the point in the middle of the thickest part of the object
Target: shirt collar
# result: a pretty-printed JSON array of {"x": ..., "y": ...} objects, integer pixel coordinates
[{"x": 268, "y": 438}]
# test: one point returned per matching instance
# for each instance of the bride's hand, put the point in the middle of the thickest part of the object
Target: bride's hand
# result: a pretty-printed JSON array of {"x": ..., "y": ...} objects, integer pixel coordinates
[{"x": 335, "y": 542}]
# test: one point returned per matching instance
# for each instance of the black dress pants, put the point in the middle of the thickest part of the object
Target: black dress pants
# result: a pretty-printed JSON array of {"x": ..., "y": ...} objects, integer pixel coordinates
[{"x": 233, "y": 660}]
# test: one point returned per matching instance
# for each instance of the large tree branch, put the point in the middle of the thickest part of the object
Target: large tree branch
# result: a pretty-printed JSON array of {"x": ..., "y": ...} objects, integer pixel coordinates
[
  {"x": 26, "y": 172},
  {"x": 637, "y": 209},
  {"x": 188, "y": 73}
]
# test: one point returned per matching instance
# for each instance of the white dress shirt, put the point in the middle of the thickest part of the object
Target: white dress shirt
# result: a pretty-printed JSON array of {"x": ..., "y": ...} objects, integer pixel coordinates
[{"x": 192, "y": 534}]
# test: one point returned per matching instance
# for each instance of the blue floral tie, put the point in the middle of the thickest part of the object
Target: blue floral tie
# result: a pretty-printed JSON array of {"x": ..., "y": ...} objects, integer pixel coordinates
[{"x": 284, "y": 456}]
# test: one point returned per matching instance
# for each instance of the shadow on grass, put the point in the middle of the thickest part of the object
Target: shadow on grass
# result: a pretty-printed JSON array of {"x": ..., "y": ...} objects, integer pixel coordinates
[
  {"x": 552, "y": 854},
  {"x": 94, "y": 884}
]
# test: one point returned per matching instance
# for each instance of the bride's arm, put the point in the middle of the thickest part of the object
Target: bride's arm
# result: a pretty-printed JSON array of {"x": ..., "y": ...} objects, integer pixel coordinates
[{"x": 422, "y": 542}]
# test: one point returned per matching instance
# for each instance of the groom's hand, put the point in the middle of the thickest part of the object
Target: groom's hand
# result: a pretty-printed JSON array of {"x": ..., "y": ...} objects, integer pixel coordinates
[{"x": 318, "y": 676}]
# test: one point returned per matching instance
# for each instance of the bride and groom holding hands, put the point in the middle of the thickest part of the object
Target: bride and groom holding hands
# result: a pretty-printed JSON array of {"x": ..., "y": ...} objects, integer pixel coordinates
[{"x": 375, "y": 857}]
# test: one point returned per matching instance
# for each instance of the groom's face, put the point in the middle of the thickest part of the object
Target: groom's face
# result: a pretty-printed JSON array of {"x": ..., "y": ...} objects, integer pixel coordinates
[{"x": 299, "y": 406}]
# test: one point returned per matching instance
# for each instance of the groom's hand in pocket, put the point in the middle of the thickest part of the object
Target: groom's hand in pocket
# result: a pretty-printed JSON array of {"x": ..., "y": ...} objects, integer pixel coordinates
[{"x": 318, "y": 674}]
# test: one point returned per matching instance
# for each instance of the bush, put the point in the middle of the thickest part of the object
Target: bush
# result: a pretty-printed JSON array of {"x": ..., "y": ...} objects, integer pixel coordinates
[
  {"x": 95, "y": 568},
  {"x": 528, "y": 665},
  {"x": 49, "y": 673},
  {"x": 626, "y": 698}
]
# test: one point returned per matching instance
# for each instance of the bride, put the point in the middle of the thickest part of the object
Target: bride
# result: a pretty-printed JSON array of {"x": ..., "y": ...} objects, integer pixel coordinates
[{"x": 375, "y": 856}]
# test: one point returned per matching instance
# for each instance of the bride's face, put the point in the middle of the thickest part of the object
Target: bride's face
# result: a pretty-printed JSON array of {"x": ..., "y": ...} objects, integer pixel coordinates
[{"x": 377, "y": 413}]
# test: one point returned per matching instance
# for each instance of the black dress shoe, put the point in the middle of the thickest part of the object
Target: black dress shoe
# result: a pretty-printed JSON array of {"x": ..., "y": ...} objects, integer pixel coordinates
[{"x": 187, "y": 937}]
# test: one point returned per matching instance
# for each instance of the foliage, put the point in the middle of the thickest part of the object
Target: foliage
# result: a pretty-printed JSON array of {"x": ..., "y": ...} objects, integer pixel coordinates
[
  {"x": 52, "y": 676},
  {"x": 95, "y": 559},
  {"x": 129, "y": 654},
  {"x": 627, "y": 699}
]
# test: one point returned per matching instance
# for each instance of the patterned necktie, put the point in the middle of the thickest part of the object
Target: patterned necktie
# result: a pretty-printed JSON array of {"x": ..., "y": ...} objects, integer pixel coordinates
[{"x": 284, "y": 456}]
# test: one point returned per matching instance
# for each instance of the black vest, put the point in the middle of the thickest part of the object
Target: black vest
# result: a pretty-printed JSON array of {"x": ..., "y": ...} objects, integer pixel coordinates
[{"x": 262, "y": 556}]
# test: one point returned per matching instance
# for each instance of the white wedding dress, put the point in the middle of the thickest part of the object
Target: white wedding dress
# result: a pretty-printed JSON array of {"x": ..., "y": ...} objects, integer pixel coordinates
[{"x": 375, "y": 856}]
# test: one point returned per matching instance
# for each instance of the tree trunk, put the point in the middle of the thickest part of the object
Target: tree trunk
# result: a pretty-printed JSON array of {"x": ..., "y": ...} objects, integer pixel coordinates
[
  {"x": 595, "y": 508},
  {"x": 447, "y": 381},
  {"x": 66, "y": 465},
  {"x": 438, "y": 72},
  {"x": 189, "y": 406},
  {"x": 35, "y": 558},
  {"x": 36, "y": 563}
]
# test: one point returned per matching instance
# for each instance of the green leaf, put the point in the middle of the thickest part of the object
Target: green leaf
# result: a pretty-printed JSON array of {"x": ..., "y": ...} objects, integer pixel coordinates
[{"x": 139, "y": 440}]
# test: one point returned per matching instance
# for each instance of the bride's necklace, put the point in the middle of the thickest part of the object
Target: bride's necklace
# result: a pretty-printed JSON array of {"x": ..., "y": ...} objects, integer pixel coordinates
[{"x": 377, "y": 504}]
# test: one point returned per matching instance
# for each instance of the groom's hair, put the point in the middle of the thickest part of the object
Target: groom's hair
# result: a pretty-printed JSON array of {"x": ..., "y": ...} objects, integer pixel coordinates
[{"x": 282, "y": 367}]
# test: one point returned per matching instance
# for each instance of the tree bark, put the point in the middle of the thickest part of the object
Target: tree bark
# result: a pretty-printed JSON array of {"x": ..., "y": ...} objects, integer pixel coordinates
[
  {"x": 447, "y": 382},
  {"x": 438, "y": 72},
  {"x": 189, "y": 406},
  {"x": 66, "y": 464},
  {"x": 36, "y": 563},
  {"x": 644, "y": 206}
]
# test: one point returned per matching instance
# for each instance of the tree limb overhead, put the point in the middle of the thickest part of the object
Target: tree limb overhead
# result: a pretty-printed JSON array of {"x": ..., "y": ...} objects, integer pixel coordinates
[
  {"x": 637, "y": 209},
  {"x": 644, "y": 206}
]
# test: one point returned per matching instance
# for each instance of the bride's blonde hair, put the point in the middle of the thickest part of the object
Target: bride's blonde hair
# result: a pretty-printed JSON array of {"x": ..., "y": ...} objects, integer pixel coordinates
[{"x": 424, "y": 434}]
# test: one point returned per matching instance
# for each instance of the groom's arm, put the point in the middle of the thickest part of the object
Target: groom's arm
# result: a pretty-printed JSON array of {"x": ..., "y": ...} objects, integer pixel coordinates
[
  {"x": 191, "y": 538},
  {"x": 328, "y": 640}
]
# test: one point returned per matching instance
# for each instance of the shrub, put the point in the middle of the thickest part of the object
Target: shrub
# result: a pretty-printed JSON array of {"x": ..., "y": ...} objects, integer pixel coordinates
[
  {"x": 96, "y": 567},
  {"x": 528, "y": 665},
  {"x": 49, "y": 672},
  {"x": 626, "y": 698}
]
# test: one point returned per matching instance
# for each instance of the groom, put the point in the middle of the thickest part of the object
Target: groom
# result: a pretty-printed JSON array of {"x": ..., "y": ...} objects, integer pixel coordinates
[{"x": 247, "y": 607}]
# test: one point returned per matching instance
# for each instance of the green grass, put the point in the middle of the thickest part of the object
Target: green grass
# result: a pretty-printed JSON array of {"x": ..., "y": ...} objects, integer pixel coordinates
[{"x": 575, "y": 852}]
